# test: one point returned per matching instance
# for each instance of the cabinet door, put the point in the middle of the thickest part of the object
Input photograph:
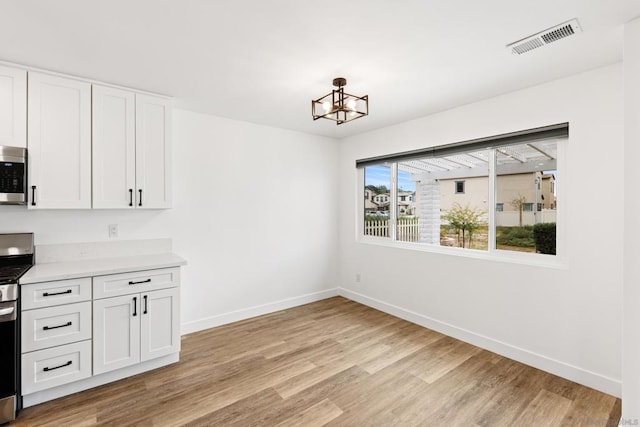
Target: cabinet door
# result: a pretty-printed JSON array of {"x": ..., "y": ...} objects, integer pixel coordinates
[
  {"x": 153, "y": 152},
  {"x": 116, "y": 333},
  {"x": 59, "y": 142},
  {"x": 160, "y": 329},
  {"x": 114, "y": 150},
  {"x": 13, "y": 107}
]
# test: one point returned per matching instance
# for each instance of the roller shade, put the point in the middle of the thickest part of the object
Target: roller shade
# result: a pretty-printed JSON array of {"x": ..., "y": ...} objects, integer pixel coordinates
[{"x": 560, "y": 130}]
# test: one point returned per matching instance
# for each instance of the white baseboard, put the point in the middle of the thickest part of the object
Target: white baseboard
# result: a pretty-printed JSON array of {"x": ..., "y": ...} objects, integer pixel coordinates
[
  {"x": 573, "y": 373},
  {"x": 259, "y": 310}
]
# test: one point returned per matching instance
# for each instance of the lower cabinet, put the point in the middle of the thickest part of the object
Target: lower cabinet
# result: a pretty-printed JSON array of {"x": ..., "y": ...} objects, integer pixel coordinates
[
  {"x": 134, "y": 328},
  {"x": 55, "y": 366},
  {"x": 74, "y": 330}
]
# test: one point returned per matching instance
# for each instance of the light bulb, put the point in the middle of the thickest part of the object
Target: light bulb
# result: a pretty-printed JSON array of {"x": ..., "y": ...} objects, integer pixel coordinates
[
  {"x": 351, "y": 104},
  {"x": 326, "y": 106}
]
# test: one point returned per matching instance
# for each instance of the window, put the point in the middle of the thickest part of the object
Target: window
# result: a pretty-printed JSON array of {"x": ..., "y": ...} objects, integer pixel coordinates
[
  {"x": 443, "y": 194},
  {"x": 377, "y": 180}
]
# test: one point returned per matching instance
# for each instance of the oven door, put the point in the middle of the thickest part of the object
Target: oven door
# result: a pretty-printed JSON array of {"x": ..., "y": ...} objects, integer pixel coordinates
[
  {"x": 8, "y": 360},
  {"x": 13, "y": 176}
]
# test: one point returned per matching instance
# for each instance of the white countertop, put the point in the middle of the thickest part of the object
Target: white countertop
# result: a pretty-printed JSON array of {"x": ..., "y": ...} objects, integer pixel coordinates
[{"x": 97, "y": 267}]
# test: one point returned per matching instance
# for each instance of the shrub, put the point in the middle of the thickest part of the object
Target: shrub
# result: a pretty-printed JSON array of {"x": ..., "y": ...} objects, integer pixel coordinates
[
  {"x": 545, "y": 237},
  {"x": 515, "y": 236}
]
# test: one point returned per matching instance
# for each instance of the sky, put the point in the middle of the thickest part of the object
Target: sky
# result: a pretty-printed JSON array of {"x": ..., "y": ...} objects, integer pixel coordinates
[{"x": 381, "y": 175}]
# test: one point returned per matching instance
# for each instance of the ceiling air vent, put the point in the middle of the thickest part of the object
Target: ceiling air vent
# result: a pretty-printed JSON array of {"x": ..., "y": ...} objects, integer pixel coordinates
[{"x": 545, "y": 37}]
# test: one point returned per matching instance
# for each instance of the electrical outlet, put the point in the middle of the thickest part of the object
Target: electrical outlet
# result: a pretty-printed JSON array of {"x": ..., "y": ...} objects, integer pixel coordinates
[
  {"x": 113, "y": 231},
  {"x": 357, "y": 277}
]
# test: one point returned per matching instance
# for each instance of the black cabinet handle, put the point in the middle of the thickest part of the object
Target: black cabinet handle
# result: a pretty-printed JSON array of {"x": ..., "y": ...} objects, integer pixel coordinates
[
  {"x": 47, "y": 369},
  {"x": 145, "y": 305},
  {"x": 140, "y": 198},
  {"x": 47, "y": 294},
  {"x": 131, "y": 197},
  {"x": 135, "y": 306},
  {"x": 46, "y": 328},
  {"x": 142, "y": 281},
  {"x": 33, "y": 195}
]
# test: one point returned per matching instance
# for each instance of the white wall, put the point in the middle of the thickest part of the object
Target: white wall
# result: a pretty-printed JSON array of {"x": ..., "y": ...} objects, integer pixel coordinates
[
  {"x": 253, "y": 216},
  {"x": 631, "y": 329},
  {"x": 566, "y": 321}
]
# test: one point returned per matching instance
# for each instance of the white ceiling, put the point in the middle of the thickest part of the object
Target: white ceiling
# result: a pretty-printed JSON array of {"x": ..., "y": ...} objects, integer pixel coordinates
[{"x": 263, "y": 61}]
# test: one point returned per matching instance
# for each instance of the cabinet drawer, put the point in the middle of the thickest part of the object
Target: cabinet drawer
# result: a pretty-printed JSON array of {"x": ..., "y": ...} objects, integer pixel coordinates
[
  {"x": 55, "y": 366},
  {"x": 52, "y": 326},
  {"x": 135, "y": 282},
  {"x": 47, "y": 294}
]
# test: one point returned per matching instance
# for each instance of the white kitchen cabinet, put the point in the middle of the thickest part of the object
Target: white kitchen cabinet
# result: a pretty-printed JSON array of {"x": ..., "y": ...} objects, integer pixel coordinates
[
  {"x": 160, "y": 324},
  {"x": 131, "y": 150},
  {"x": 13, "y": 107},
  {"x": 53, "y": 326},
  {"x": 55, "y": 366},
  {"x": 114, "y": 149},
  {"x": 59, "y": 142},
  {"x": 136, "y": 327},
  {"x": 116, "y": 333},
  {"x": 153, "y": 152}
]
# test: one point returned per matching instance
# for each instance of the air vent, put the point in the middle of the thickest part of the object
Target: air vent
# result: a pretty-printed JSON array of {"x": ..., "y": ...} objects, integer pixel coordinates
[{"x": 545, "y": 37}]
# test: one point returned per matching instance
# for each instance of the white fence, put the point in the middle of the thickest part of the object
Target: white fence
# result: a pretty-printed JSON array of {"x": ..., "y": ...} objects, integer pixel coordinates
[
  {"x": 407, "y": 229},
  {"x": 512, "y": 218}
]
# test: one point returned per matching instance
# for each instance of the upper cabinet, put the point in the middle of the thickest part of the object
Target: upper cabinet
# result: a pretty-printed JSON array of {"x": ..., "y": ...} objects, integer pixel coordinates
[
  {"x": 153, "y": 151},
  {"x": 59, "y": 142},
  {"x": 13, "y": 107},
  {"x": 114, "y": 149},
  {"x": 131, "y": 150}
]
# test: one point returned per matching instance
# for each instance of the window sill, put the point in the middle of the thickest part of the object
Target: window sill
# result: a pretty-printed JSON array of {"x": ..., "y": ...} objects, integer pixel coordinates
[{"x": 537, "y": 260}]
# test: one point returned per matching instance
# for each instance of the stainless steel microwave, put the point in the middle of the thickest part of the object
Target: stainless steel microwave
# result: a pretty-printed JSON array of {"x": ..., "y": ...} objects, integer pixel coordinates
[{"x": 13, "y": 175}]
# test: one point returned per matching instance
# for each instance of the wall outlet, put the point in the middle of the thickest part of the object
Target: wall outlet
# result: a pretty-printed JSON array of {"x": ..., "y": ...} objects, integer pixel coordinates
[
  {"x": 113, "y": 231},
  {"x": 357, "y": 277}
]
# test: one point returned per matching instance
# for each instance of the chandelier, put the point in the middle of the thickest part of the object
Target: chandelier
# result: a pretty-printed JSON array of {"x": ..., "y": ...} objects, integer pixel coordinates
[{"x": 339, "y": 105}]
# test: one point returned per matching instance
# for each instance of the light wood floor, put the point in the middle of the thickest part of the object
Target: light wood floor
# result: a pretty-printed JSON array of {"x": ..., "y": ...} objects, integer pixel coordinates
[{"x": 333, "y": 362}]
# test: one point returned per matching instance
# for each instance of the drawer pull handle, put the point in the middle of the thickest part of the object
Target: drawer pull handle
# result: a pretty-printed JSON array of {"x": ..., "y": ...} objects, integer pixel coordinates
[
  {"x": 142, "y": 281},
  {"x": 47, "y": 294},
  {"x": 6, "y": 311},
  {"x": 47, "y": 328},
  {"x": 47, "y": 369}
]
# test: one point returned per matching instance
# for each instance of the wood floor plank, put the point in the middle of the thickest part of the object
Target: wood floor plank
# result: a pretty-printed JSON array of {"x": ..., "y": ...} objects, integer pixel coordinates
[
  {"x": 548, "y": 409},
  {"x": 333, "y": 362},
  {"x": 315, "y": 416}
]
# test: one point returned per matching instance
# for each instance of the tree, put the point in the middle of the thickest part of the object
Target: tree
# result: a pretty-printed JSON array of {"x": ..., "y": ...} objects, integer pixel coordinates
[
  {"x": 463, "y": 221},
  {"x": 517, "y": 204},
  {"x": 380, "y": 189}
]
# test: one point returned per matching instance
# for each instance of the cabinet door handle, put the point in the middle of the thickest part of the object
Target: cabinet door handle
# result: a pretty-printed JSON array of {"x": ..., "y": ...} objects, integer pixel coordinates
[
  {"x": 140, "y": 198},
  {"x": 46, "y": 328},
  {"x": 33, "y": 195},
  {"x": 145, "y": 305},
  {"x": 47, "y": 294},
  {"x": 142, "y": 281},
  {"x": 131, "y": 197},
  {"x": 135, "y": 306},
  {"x": 47, "y": 369}
]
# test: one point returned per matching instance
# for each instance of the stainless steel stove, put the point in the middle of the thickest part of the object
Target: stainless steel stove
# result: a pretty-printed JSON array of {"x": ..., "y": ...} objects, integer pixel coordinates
[{"x": 16, "y": 257}]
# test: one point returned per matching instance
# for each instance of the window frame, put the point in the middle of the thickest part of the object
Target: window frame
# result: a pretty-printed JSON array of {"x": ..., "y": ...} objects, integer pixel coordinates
[{"x": 560, "y": 260}]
